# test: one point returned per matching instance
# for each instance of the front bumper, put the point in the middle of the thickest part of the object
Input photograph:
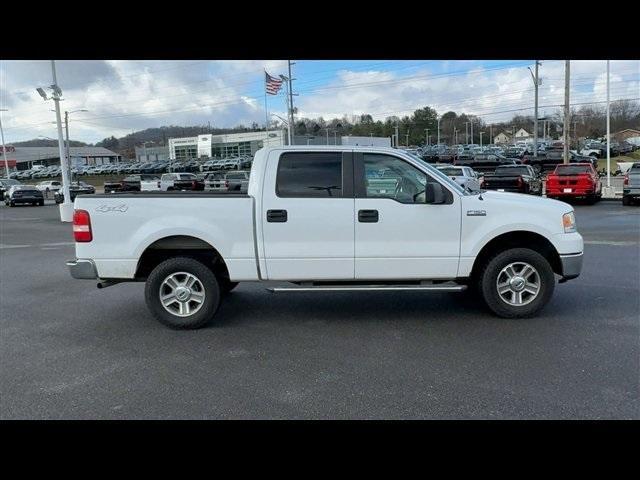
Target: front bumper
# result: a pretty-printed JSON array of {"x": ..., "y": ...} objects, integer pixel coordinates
[
  {"x": 82, "y": 269},
  {"x": 631, "y": 192},
  {"x": 571, "y": 265}
]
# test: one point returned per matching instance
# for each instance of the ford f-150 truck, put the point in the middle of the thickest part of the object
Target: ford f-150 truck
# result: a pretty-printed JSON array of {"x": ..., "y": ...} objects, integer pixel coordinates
[{"x": 337, "y": 218}]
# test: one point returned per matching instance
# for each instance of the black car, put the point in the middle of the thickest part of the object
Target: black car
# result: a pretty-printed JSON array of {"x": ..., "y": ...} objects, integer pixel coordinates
[
  {"x": 23, "y": 194},
  {"x": 513, "y": 178},
  {"x": 484, "y": 162},
  {"x": 548, "y": 161},
  {"x": 75, "y": 189}
]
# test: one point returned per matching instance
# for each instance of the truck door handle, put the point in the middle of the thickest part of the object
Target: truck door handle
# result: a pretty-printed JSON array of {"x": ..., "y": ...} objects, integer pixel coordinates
[
  {"x": 276, "y": 216},
  {"x": 368, "y": 216}
]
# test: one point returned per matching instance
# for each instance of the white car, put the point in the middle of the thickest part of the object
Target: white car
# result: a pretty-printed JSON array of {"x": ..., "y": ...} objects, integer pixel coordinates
[
  {"x": 49, "y": 186},
  {"x": 328, "y": 218}
]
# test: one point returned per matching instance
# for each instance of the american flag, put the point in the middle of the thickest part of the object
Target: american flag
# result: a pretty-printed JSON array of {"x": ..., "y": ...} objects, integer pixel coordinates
[{"x": 272, "y": 84}]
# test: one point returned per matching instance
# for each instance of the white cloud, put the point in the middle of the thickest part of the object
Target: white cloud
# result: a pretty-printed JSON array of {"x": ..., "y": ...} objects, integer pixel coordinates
[{"x": 122, "y": 96}]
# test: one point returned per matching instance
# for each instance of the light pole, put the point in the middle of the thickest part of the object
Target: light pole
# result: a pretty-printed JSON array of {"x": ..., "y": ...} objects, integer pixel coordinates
[
  {"x": 66, "y": 207},
  {"x": 536, "y": 83},
  {"x": 466, "y": 132},
  {"x": 66, "y": 126},
  {"x": 4, "y": 148},
  {"x": 481, "y": 133},
  {"x": 608, "y": 135},
  {"x": 286, "y": 123},
  {"x": 438, "y": 130},
  {"x": 427, "y": 135}
]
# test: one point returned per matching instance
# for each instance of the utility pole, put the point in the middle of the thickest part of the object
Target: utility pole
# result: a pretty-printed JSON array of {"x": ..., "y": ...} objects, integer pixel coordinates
[
  {"x": 438, "y": 129},
  {"x": 536, "y": 83},
  {"x": 66, "y": 207},
  {"x": 66, "y": 127},
  {"x": 466, "y": 132},
  {"x": 608, "y": 135},
  {"x": 481, "y": 133},
  {"x": 407, "y": 136},
  {"x": 291, "y": 124},
  {"x": 567, "y": 111},
  {"x": 491, "y": 134},
  {"x": 4, "y": 148},
  {"x": 471, "y": 123},
  {"x": 427, "y": 135}
]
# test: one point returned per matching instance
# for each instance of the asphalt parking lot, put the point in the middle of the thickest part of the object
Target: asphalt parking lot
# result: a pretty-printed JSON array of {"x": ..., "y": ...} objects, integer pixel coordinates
[{"x": 71, "y": 351}]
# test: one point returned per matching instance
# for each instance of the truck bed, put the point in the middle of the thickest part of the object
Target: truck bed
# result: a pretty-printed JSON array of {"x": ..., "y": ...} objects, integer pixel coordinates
[{"x": 124, "y": 225}]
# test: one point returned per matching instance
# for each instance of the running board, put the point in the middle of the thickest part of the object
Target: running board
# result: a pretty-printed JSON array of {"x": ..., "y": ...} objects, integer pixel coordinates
[{"x": 356, "y": 288}]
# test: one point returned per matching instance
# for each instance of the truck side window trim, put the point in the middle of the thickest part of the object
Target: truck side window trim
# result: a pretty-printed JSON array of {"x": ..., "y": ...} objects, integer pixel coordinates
[{"x": 360, "y": 189}]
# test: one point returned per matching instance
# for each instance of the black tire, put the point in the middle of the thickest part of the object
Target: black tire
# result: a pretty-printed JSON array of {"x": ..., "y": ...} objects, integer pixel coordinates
[
  {"x": 591, "y": 199},
  {"x": 11, "y": 204},
  {"x": 211, "y": 290},
  {"x": 626, "y": 201},
  {"x": 41, "y": 203},
  {"x": 488, "y": 278}
]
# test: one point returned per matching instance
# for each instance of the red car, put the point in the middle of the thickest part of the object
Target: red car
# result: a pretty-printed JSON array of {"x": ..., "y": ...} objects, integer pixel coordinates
[{"x": 575, "y": 180}]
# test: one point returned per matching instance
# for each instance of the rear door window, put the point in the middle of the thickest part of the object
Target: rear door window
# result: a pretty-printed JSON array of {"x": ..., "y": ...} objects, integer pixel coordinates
[{"x": 309, "y": 174}]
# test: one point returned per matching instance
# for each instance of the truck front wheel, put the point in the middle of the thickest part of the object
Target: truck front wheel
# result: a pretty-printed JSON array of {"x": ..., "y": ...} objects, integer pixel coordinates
[
  {"x": 516, "y": 283},
  {"x": 182, "y": 293}
]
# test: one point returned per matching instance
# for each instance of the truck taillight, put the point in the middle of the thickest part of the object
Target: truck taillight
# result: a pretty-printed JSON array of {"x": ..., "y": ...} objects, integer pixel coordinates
[
  {"x": 82, "y": 226},
  {"x": 626, "y": 179}
]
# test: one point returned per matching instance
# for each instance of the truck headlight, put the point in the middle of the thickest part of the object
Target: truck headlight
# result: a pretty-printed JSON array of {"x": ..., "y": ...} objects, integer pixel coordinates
[{"x": 569, "y": 222}]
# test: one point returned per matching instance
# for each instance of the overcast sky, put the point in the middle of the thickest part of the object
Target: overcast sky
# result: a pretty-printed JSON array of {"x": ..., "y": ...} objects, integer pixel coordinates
[{"x": 126, "y": 95}]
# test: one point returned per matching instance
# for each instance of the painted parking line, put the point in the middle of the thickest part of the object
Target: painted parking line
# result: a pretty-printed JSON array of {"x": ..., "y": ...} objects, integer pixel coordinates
[
  {"x": 613, "y": 243},
  {"x": 42, "y": 245}
]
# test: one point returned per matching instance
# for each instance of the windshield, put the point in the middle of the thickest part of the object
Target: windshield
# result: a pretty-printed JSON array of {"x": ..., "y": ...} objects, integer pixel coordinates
[{"x": 434, "y": 172}]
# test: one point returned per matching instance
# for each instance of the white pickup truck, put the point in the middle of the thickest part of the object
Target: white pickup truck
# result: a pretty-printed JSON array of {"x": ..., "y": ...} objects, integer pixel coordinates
[{"x": 328, "y": 218}]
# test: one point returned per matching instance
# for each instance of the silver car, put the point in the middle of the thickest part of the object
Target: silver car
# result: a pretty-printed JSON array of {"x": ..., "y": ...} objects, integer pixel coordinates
[{"x": 466, "y": 177}]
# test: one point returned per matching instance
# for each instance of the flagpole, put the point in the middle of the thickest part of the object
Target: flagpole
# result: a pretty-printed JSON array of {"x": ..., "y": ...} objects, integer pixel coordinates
[{"x": 266, "y": 111}]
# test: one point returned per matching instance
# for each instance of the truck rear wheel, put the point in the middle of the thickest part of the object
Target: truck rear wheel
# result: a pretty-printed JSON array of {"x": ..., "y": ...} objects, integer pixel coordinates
[
  {"x": 182, "y": 293},
  {"x": 516, "y": 283}
]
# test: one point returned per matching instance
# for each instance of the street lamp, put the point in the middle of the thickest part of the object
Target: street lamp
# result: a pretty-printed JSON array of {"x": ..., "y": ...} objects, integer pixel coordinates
[
  {"x": 286, "y": 123},
  {"x": 66, "y": 207},
  {"x": 4, "y": 148},
  {"x": 66, "y": 127}
]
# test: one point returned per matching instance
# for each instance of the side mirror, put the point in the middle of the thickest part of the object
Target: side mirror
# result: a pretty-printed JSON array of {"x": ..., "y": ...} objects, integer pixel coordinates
[{"x": 434, "y": 193}]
